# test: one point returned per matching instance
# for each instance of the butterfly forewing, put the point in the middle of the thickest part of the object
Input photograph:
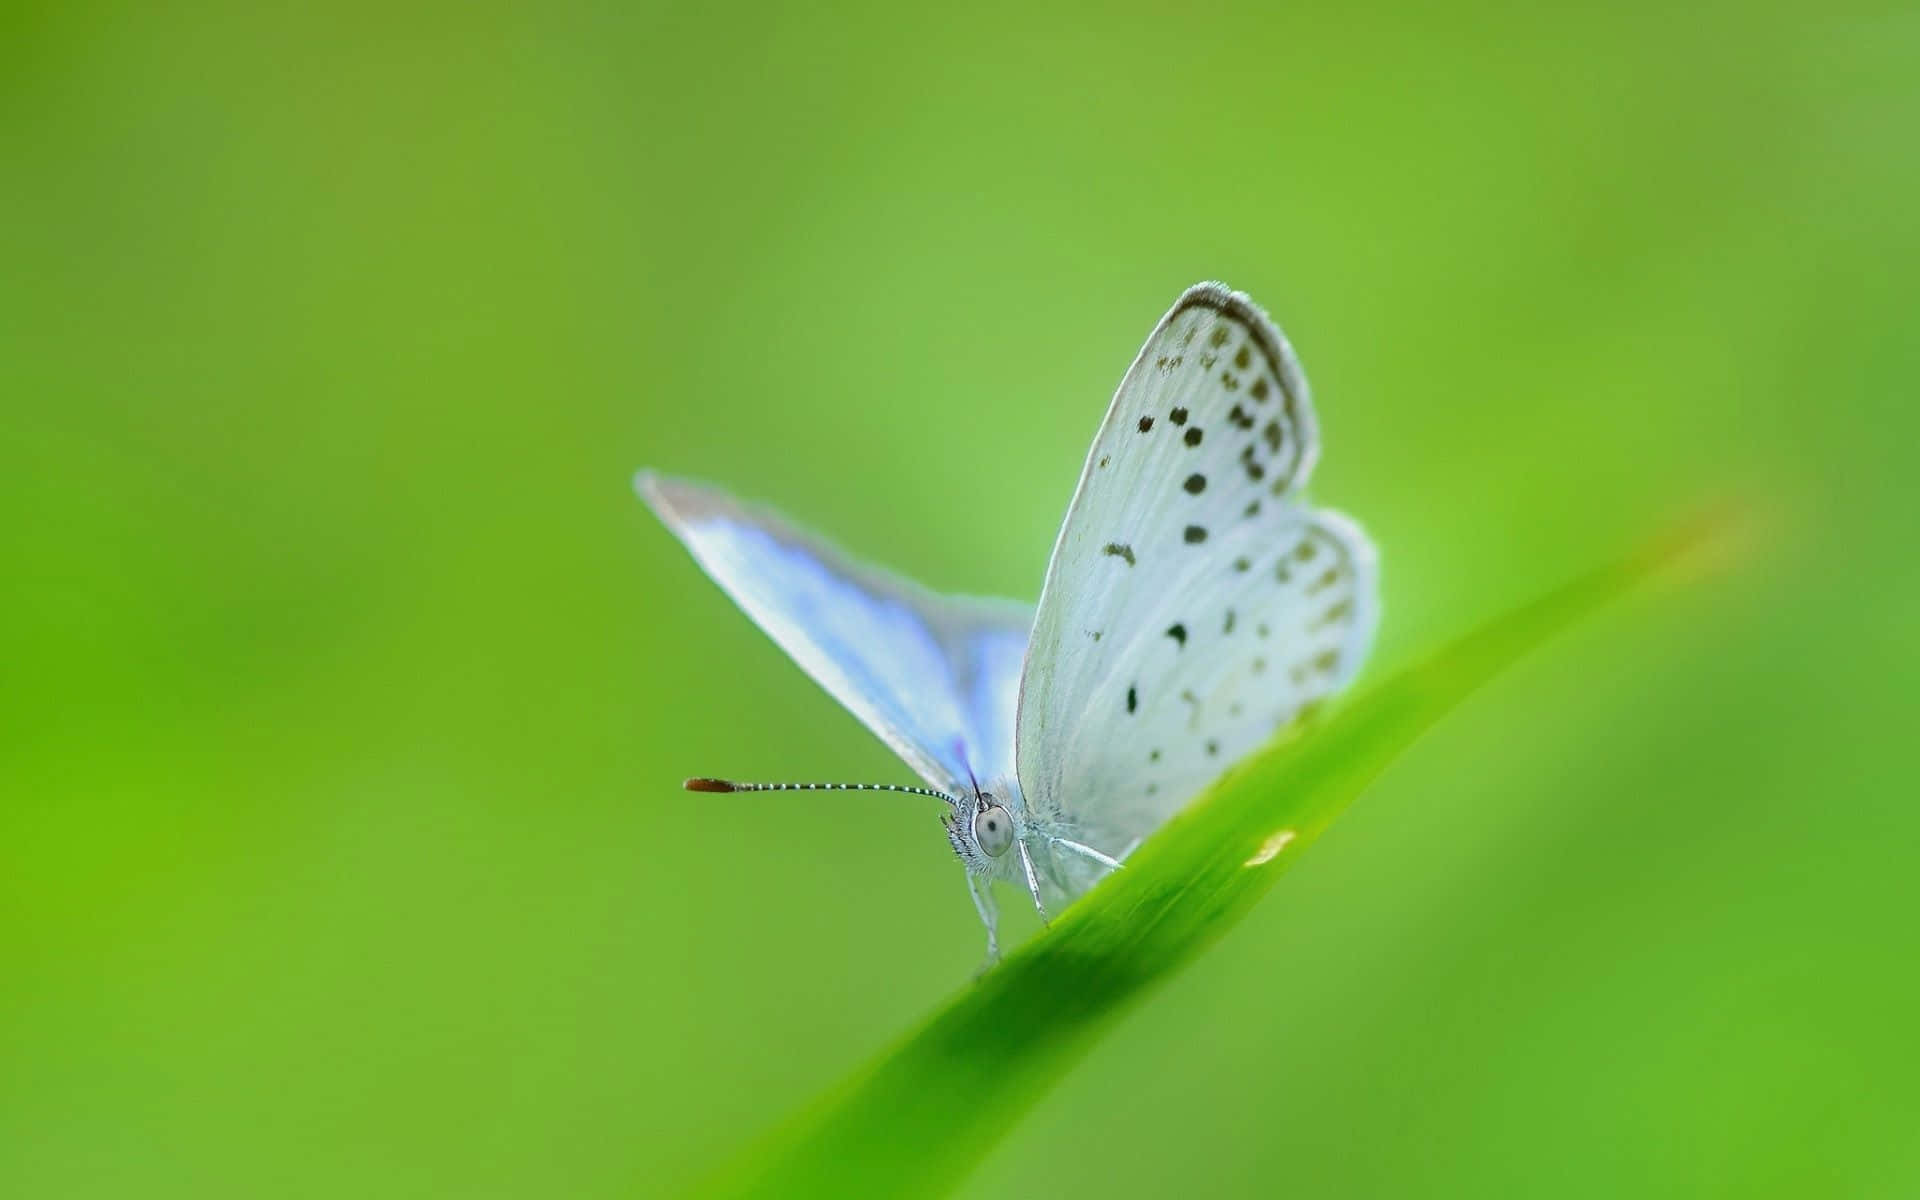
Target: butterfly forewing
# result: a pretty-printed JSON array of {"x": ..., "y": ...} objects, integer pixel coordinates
[
  {"x": 1193, "y": 604},
  {"x": 934, "y": 676}
]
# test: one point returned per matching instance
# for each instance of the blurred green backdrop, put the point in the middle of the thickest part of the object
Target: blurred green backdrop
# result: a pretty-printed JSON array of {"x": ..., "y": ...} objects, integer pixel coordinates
[{"x": 346, "y": 687}]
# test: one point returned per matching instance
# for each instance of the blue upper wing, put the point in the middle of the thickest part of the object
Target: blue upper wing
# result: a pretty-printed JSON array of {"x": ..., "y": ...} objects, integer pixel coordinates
[{"x": 936, "y": 677}]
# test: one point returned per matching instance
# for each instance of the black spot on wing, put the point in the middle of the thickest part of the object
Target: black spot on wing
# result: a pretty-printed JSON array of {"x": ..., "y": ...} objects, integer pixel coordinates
[
  {"x": 1133, "y": 699},
  {"x": 1195, "y": 484},
  {"x": 1178, "y": 416},
  {"x": 1146, "y": 423},
  {"x": 1195, "y": 534},
  {"x": 1178, "y": 633},
  {"x": 1119, "y": 550},
  {"x": 1339, "y": 612},
  {"x": 1193, "y": 436}
]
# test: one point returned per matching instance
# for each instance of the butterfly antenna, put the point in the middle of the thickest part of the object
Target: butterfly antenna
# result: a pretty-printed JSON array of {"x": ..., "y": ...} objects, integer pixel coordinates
[{"x": 701, "y": 783}]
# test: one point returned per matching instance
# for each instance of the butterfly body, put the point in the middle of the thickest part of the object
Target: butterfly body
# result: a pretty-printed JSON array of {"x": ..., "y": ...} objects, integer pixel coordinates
[
  {"x": 1062, "y": 873},
  {"x": 1194, "y": 604}
]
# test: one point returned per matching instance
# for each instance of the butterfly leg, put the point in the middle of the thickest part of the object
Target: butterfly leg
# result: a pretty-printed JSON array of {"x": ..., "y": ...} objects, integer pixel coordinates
[
  {"x": 982, "y": 894},
  {"x": 1033, "y": 883},
  {"x": 1084, "y": 851}
]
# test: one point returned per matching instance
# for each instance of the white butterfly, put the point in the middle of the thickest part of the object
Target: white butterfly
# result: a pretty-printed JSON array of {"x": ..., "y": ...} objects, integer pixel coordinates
[{"x": 1194, "y": 605}]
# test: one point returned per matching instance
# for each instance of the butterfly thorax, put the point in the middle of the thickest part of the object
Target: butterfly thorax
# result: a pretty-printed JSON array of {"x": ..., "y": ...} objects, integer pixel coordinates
[{"x": 1060, "y": 873}]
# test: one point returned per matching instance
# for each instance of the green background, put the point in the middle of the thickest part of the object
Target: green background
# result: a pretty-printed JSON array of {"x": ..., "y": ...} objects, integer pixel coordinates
[{"x": 345, "y": 688}]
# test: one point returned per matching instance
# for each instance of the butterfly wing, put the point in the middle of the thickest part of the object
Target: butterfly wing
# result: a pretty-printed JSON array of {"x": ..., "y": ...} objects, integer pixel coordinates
[
  {"x": 936, "y": 677},
  {"x": 1194, "y": 604}
]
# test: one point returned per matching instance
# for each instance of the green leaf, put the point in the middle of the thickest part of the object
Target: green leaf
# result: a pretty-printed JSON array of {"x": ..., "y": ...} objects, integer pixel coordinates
[{"x": 916, "y": 1121}]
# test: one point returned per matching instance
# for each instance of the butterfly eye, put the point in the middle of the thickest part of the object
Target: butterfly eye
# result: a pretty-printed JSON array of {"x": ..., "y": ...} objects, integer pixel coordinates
[{"x": 993, "y": 829}]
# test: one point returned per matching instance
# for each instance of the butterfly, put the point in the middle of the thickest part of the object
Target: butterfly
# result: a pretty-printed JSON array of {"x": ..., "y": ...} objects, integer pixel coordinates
[{"x": 1194, "y": 604}]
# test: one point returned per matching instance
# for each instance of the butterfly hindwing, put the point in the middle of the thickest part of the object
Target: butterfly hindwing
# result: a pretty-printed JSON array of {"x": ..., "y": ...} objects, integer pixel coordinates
[
  {"x": 936, "y": 677},
  {"x": 1193, "y": 604}
]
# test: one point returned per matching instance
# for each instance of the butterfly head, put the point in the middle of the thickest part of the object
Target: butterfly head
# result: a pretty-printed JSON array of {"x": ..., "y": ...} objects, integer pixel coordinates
[
  {"x": 983, "y": 828},
  {"x": 992, "y": 827}
]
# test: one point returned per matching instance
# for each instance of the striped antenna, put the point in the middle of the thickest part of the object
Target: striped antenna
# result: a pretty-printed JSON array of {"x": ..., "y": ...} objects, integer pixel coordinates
[{"x": 704, "y": 784}]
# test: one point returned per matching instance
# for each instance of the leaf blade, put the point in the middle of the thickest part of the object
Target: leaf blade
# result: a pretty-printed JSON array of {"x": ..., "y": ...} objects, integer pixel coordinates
[{"x": 916, "y": 1120}]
